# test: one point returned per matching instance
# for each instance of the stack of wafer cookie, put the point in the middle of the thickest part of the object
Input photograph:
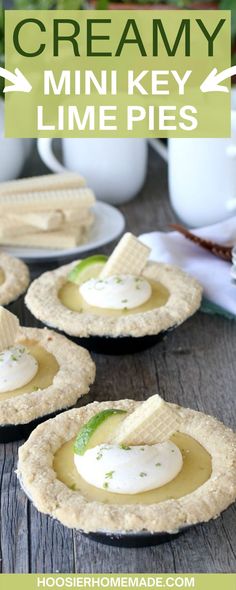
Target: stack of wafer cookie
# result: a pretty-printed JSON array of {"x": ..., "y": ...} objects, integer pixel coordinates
[{"x": 52, "y": 211}]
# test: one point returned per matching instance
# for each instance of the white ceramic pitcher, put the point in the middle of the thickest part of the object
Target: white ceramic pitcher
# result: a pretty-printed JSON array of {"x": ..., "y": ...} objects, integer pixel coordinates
[
  {"x": 115, "y": 168},
  {"x": 13, "y": 152},
  {"x": 202, "y": 176}
]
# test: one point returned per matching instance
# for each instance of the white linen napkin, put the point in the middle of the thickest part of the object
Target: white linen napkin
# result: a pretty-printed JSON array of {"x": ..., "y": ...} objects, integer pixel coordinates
[{"x": 212, "y": 272}]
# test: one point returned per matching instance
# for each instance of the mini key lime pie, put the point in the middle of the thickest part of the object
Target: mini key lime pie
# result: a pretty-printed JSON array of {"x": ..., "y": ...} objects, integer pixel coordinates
[
  {"x": 41, "y": 373},
  {"x": 130, "y": 472},
  {"x": 14, "y": 278},
  {"x": 118, "y": 304}
]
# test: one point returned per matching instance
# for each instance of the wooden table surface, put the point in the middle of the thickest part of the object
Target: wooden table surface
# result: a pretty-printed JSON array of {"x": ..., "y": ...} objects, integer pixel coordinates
[{"x": 195, "y": 366}]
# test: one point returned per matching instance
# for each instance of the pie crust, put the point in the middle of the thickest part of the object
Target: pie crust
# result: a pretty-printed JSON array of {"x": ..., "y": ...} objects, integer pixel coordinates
[
  {"x": 16, "y": 278},
  {"x": 53, "y": 497},
  {"x": 184, "y": 299},
  {"x": 75, "y": 375}
]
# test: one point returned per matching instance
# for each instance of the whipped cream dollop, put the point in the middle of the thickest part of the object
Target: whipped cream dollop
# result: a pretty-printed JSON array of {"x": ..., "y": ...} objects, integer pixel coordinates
[
  {"x": 116, "y": 292},
  {"x": 17, "y": 368},
  {"x": 129, "y": 470}
]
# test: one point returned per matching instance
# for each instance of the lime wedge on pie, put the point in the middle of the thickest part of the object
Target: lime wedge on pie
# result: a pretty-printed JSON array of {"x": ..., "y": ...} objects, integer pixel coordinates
[
  {"x": 87, "y": 269},
  {"x": 116, "y": 305},
  {"x": 135, "y": 468},
  {"x": 88, "y": 431}
]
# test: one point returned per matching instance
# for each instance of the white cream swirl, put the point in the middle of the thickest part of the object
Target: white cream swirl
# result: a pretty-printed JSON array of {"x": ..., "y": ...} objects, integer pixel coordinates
[
  {"x": 116, "y": 292},
  {"x": 17, "y": 368},
  {"x": 129, "y": 470}
]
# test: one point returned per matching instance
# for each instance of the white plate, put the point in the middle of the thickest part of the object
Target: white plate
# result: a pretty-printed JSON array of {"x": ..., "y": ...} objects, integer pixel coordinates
[{"x": 109, "y": 224}]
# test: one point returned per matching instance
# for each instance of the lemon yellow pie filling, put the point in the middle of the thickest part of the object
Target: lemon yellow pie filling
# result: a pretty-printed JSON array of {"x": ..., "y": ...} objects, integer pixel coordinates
[
  {"x": 71, "y": 297},
  {"x": 45, "y": 363},
  {"x": 88, "y": 290},
  {"x": 2, "y": 276},
  {"x": 125, "y": 295},
  {"x": 195, "y": 469},
  {"x": 204, "y": 486},
  {"x": 41, "y": 372}
]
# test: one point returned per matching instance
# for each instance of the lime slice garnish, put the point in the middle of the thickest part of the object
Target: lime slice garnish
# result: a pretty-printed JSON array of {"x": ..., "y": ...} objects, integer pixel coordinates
[
  {"x": 87, "y": 269},
  {"x": 87, "y": 431}
]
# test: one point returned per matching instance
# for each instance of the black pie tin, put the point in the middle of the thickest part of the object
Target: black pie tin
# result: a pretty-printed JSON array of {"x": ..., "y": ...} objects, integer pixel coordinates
[
  {"x": 132, "y": 540},
  {"x": 120, "y": 345},
  {"x": 113, "y": 346},
  {"x": 16, "y": 305},
  {"x": 127, "y": 540},
  {"x": 14, "y": 432}
]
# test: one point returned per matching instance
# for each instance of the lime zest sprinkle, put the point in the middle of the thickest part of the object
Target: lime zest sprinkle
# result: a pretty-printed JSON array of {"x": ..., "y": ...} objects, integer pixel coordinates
[{"x": 109, "y": 474}]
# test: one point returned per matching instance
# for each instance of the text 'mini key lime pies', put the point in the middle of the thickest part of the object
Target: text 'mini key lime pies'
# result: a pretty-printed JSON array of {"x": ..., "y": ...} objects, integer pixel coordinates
[
  {"x": 118, "y": 304},
  {"x": 41, "y": 373},
  {"x": 130, "y": 472}
]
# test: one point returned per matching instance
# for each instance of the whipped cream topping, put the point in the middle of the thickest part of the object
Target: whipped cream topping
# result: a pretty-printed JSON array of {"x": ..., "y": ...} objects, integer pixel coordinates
[
  {"x": 17, "y": 368},
  {"x": 129, "y": 470},
  {"x": 116, "y": 292}
]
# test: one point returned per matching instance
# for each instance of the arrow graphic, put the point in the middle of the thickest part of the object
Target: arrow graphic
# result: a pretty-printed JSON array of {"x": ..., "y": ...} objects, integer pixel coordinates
[
  {"x": 213, "y": 80},
  {"x": 19, "y": 82}
]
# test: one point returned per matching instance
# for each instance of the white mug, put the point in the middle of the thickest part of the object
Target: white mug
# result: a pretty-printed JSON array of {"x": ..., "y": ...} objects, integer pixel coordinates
[
  {"x": 13, "y": 152},
  {"x": 202, "y": 177},
  {"x": 115, "y": 168}
]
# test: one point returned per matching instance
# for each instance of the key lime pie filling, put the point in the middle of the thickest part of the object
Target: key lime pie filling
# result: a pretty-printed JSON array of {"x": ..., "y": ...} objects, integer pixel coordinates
[
  {"x": 2, "y": 276},
  {"x": 41, "y": 372},
  {"x": 91, "y": 296},
  {"x": 128, "y": 467},
  {"x": 27, "y": 367},
  {"x": 123, "y": 295},
  {"x": 125, "y": 474},
  {"x": 14, "y": 278}
]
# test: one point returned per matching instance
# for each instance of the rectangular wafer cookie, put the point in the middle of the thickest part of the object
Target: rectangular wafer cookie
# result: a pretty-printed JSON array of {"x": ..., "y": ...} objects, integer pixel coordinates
[
  {"x": 47, "y": 200},
  {"x": 77, "y": 215},
  {"x": 44, "y": 220},
  {"x": 10, "y": 227},
  {"x": 9, "y": 326},
  {"x": 55, "y": 239},
  {"x": 154, "y": 421},
  {"x": 129, "y": 257},
  {"x": 47, "y": 182}
]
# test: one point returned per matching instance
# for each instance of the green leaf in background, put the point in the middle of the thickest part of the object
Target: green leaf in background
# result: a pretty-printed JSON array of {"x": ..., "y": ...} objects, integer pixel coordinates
[
  {"x": 213, "y": 309},
  {"x": 230, "y": 5},
  {"x": 1, "y": 31},
  {"x": 32, "y": 4},
  {"x": 69, "y": 4},
  {"x": 103, "y": 5},
  {"x": 1, "y": 46}
]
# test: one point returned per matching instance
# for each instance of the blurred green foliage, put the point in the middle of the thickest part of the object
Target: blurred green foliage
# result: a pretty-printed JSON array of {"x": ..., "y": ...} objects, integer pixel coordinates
[
  {"x": 1, "y": 46},
  {"x": 103, "y": 4}
]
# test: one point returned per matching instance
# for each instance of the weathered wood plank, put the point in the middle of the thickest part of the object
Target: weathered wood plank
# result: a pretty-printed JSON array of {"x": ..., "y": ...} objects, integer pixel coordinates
[
  {"x": 194, "y": 366},
  {"x": 14, "y": 515},
  {"x": 51, "y": 545}
]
